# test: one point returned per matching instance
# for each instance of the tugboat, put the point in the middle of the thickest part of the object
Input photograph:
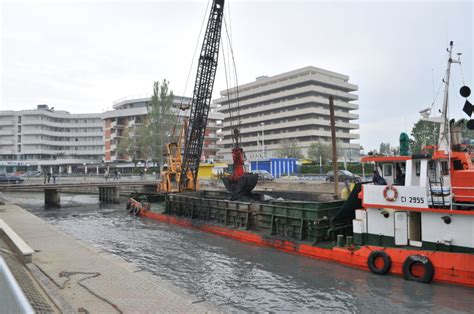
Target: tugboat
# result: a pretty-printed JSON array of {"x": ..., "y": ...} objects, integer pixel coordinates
[
  {"x": 421, "y": 223},
  {"x": 416, "y": 222}
]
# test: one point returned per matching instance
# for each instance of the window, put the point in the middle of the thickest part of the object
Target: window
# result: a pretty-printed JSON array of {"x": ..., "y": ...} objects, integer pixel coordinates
[
  {"x": 417, "y": 168},
  {"x": 457, "y": 165},
  {"x": 387, "y": 170},
  {"x": 444, "y": 168}
]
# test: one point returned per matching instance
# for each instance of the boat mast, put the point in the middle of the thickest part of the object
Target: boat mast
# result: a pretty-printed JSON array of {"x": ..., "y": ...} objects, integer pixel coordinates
[{"x": 443, "y": 140}]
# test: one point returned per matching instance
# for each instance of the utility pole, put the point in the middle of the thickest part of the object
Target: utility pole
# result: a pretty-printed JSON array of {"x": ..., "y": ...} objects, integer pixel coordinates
[{"x": 334, "y": 148}]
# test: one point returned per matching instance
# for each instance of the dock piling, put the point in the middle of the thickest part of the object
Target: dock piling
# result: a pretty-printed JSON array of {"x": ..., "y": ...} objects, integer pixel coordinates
[{"x": 52, "y": 197}]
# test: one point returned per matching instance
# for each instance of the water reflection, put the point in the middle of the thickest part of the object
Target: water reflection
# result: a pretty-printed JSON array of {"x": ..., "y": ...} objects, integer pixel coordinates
[{"x": 239, "y": 276}]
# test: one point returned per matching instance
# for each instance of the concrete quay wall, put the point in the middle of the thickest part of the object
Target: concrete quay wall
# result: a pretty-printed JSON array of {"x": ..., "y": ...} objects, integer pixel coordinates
[{"x": 80, "y": 277}]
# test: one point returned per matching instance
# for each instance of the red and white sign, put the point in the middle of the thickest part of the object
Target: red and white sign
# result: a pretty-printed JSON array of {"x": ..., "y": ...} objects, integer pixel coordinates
[{"x": 406, "y": 196}]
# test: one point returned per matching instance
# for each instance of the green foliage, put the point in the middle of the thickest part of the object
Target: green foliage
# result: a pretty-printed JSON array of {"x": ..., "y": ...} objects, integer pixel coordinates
[
  {"x": 124, "y": 145},
  {"x": 355, "y": 168},
  {"x": 134, "y": 144},
  {"x": 466, "y": 133},
  {"x": 424, "y": 133},
  {"x": 318, "y": 149},
  {"x": 289, "y": 149},
  {"x": 162, "y": 119}
]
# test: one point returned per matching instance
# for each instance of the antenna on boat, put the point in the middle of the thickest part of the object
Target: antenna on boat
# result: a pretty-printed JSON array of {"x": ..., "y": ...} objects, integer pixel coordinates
[{"x": 443, "y": 141}]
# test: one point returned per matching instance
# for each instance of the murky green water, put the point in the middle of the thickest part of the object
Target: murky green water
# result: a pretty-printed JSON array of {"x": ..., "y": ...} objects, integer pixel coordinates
[{"x": 239, "y": 276}]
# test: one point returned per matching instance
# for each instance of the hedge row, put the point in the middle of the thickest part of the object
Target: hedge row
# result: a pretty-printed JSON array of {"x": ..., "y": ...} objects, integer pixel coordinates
[{"x": 354, "y": 168}]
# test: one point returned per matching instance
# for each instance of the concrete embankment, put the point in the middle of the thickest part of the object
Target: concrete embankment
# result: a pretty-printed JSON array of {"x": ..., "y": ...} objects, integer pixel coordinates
[{"x": 82, "y": 278}]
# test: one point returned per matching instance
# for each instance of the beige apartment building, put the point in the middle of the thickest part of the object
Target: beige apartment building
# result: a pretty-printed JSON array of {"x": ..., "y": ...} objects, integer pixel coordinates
[
  {"x": 49, "y": 140},
  {"x": 128, "y": 113},
  {"x": 292, "y": 106}
]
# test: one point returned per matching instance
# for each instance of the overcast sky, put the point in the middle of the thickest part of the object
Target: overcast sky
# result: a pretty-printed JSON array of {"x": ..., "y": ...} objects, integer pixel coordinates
[{"x": 81, "y": 56}]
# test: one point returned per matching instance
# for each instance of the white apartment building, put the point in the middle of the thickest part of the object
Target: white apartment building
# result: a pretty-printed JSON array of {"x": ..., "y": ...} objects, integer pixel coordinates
[
  {"x": 292, "y": 106},
  {"x": 49, "y": 140},
  {"x": 131, "y": 112}
]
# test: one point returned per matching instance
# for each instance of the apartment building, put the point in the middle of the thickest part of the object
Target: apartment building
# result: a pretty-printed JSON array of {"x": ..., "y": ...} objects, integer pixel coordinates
[
  {"x": 129, "y": 113},
  {"x": 50, "y": 140},
  {"x": 291, "y": 107}
]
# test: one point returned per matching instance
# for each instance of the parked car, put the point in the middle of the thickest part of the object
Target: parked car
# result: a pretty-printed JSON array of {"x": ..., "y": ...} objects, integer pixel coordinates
[
  {"x": 34, "y": 173},
  {"x": 6, "y": 178},
  {"x": 343, "y": 175},
  {"x": 263, "y": 175}
]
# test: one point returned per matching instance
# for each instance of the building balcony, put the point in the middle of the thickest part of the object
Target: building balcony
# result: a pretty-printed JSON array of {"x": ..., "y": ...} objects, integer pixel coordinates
[
  {"x": 5, "y": 151},
  {"x": 52, "y": 152},
  {"x": 117, "y": 125},
  {"x": 67, "y": 125},
  {"x": 210, "y": 147},
  {"x": 323, "y": 93},
  {"x": 61, "y": 143},
  {"x": 7, "y": 122},
  {"x": 319, "y": 104},
  {"x": 7, "y": 142},
  {"x": 337, "y": 81},
  {"x": 302, "y": 120},
  {"x": 7, "y": 132},
  {"x": 34, "y": 131},
  {"x": 293, "y": 136}
]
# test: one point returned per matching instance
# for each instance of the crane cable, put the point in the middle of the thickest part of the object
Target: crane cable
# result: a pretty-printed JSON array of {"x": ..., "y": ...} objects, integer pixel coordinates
[
  {"x": 229, "y": 36},
  {"x": 228, "y": 76},
  {"x": 181, "y": 108},
  {"x": 235, "y": 71}
]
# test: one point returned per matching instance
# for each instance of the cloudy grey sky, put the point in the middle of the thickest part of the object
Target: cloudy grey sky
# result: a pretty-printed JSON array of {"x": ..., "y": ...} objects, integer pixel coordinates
[{"x": 80, "y": 56}]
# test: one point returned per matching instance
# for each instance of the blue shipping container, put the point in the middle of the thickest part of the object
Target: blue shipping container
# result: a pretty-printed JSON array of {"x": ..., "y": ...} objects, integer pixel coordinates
[{"x": 276, "y": 166}]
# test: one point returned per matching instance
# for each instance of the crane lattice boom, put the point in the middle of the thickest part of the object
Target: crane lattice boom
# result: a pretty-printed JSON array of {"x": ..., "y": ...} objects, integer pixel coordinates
[{"x": 206, "y": 73}]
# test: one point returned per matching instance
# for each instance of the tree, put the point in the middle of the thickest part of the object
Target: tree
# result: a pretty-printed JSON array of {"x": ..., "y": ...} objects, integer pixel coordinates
[
  {"x": 133, "y": 146},
  {"x": 289, "y": 149},
  {"x": 142, "y": 138},
  {"x": 424, "y": 133},
  {"x": 161, "y": 120},
  {"x": 467, "y": 135},
  {"x": 123, "y": 146},
  {"x": 385, "y": 148},
  {"x": 319, "y": 150}
]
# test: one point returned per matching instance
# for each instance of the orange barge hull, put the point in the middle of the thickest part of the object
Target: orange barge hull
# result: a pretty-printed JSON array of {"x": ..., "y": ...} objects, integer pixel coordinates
[{"x": 453, "y": 268}]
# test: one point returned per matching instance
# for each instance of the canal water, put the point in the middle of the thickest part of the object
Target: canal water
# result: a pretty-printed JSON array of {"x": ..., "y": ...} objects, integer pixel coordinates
[{"x": 237, "y": 276}]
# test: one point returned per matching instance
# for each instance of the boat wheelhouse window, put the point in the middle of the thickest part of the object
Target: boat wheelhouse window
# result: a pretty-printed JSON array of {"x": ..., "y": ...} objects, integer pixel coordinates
[
  {"x": 387, "y": 170},
  {"x": 417, "y": 168},
  {"x": 457, "y": 165},
  {"x": 444, "y": 168},
  {"x": 400, "y": 172}
]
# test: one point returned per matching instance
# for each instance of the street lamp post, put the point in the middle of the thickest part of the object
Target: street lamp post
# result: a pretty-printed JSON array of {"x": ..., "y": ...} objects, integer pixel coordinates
[{"x": 263, "y": 139}]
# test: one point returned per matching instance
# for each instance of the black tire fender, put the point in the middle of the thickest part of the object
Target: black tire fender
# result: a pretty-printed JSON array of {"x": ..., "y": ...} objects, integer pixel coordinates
[
  {"x": 387, "y": 262},
  {"x": 418, "y": 259}
]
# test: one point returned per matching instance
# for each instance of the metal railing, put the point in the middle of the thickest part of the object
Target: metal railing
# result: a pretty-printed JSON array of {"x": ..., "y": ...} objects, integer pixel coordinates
[{"x": 12, "y": 298}]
